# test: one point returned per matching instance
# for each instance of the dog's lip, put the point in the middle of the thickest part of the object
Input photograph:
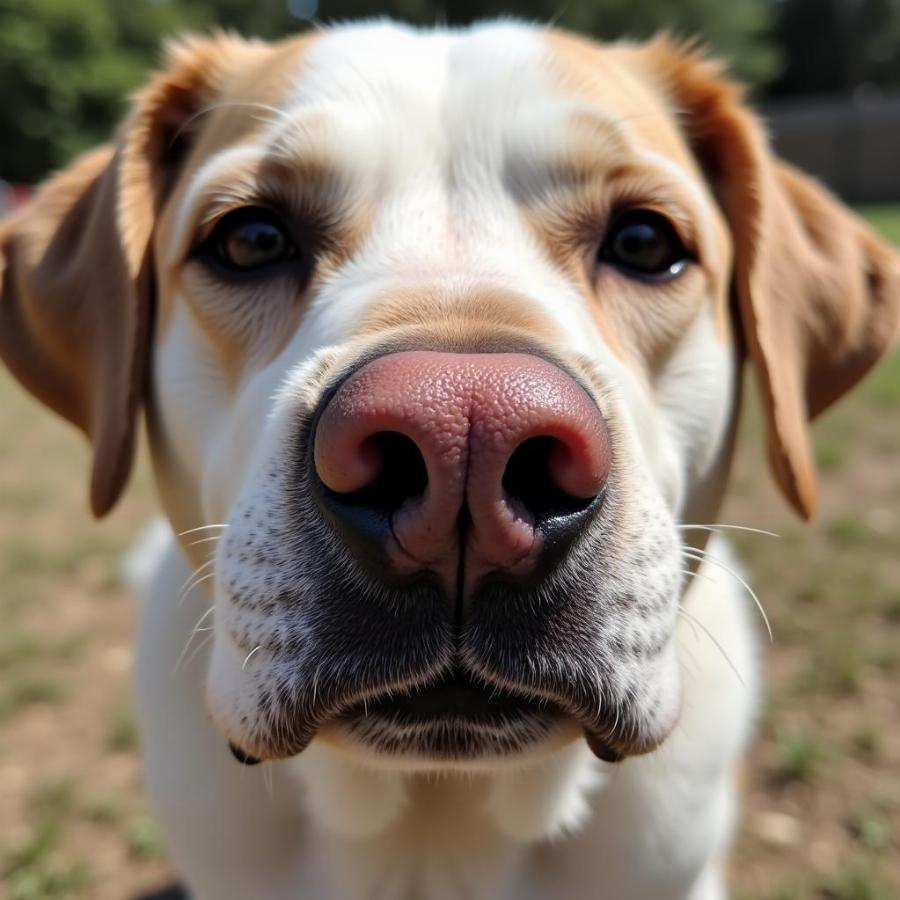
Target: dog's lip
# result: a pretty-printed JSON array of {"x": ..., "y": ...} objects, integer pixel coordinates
[
  {"x": 456, "y": 696},
  {"x": 242, "y": 756},
  {"x": 459, "y": 698}
]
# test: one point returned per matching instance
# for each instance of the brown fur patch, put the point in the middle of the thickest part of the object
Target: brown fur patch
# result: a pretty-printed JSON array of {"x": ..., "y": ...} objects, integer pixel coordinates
[{"x": 480, "y": 318}]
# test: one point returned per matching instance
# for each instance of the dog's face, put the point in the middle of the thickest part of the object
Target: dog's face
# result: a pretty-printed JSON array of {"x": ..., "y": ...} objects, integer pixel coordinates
[{"x": 446, "y": 339}]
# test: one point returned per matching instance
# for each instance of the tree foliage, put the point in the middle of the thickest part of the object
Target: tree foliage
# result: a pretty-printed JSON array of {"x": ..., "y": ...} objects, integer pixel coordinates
[{"x": 67, "y": 67}]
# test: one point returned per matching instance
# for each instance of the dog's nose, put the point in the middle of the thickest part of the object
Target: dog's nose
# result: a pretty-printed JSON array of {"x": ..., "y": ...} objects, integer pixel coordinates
[{"x": 418, "y": 449}]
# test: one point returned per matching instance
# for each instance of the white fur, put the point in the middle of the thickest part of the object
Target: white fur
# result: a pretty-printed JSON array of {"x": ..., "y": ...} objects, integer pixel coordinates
[
  {"x": 422, "y": 127},
  {"x": 320, "y": 827}
]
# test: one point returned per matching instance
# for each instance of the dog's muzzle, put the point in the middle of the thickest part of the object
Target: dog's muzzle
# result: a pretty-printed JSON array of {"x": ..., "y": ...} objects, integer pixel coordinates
[{"x": 452, "y": 602}]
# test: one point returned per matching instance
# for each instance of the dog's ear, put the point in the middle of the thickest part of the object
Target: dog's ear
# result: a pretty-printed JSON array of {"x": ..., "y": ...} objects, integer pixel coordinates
[
  {"x": 817, "y": 294},
  {"x": 76, "y": 294}
]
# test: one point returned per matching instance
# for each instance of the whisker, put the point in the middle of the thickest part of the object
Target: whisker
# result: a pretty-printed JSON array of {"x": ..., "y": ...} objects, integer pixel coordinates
[
  {"x": 247, "y": 657},
  {"x": 188, "y": 586},
  {"x": 692, "y": 575},
  {"x": 196, "y": 584},
  {"x": 692, "y": 619},
  {"x": 202, "y": 528},
  {"x": 198, "y": 649},
  {"x": 703, "y": 556},
  {"x": 194, "y": 631},
  {"x": 206, "y": 540},
  {"x": 717, "y": 526}
]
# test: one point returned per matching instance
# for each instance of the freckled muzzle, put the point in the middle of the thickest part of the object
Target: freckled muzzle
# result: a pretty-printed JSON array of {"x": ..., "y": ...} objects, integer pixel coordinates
[{"x": 448, "y": 573}]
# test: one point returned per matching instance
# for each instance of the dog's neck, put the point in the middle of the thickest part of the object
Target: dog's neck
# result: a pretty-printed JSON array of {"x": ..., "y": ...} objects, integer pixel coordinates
[{"x": 380, "y": 827}]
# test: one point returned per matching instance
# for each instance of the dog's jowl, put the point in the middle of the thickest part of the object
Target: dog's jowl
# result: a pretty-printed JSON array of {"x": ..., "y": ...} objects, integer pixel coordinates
[{"x": 438, "y": 339}]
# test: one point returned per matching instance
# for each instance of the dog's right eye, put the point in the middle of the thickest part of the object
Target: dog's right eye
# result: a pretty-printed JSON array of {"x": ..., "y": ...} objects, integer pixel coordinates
[
  {"x": 250, "y": 240},
  {"x": 644, "y": 244}
]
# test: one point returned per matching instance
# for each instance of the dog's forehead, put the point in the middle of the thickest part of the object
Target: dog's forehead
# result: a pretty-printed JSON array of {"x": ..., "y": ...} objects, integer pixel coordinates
[
  {"x": 425, "y": 98},
  {"x": 389, "y": 100}
]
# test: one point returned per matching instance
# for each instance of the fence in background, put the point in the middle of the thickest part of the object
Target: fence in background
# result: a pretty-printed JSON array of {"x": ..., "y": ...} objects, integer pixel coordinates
[{"x": 852, "y": 144}]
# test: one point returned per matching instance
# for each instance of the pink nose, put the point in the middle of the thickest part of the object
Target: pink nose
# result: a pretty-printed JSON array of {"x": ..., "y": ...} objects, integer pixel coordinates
[{"x": 490, "y": 447}]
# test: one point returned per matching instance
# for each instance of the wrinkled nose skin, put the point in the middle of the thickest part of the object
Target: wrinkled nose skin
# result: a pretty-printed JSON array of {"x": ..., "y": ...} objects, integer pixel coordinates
[{"x": 471, "y": 463}]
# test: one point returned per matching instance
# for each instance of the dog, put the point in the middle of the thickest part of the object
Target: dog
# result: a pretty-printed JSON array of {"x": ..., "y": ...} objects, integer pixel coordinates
[{"x": 439, "y": 337}]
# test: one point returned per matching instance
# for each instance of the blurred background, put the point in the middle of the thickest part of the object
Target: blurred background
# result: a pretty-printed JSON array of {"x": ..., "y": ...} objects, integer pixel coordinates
[{"x": 822, "y": 791}]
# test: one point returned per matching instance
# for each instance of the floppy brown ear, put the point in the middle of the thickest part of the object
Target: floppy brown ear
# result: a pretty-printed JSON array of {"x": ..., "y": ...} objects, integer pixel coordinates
[
  {"x": 818, "y": 294},
  {"x": 77, "y": 278}
]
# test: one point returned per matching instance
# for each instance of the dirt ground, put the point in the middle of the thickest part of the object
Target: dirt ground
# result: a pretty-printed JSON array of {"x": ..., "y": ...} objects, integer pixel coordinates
[{"x": 822, "y": 792}]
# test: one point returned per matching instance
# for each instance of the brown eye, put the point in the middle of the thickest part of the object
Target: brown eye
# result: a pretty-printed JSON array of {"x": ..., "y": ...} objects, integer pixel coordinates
[
  {"x": 644, "y": 244},
  {"x": 250, "y": 239}
]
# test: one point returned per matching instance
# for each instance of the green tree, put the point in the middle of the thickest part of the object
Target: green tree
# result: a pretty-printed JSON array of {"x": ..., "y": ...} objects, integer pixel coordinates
[{"x": 66, "y": 69}]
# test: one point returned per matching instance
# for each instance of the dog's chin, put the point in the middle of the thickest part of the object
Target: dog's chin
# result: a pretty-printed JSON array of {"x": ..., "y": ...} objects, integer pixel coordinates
[{"x": 453, "y": 724}]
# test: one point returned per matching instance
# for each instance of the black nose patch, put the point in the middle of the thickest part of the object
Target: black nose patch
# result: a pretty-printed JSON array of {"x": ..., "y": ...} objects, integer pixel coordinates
[{"x": 243, "y": 758}]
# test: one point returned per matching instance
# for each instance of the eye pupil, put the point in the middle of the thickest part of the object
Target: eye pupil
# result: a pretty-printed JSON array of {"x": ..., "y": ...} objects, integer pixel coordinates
[
  {"x": 251, "y": 239},
  {"x": 644, "y": 243}
]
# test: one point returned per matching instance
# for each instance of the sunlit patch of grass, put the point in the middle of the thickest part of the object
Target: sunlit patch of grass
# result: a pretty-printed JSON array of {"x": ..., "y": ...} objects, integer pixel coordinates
[
  {"x": 26, "y": 690},
  {"x": 889, "y": 606},
  {"x": 53, "y": 800},
  {"x": 839, "y": 666},
  {"x": 123, "y": 735},
  {"x": 870, "y": 830},
  {"x": 49, "y": 880},
  {"x": 20, "y": 558},
  {"x": 867, "y": 743},
  {"x": 860, "y": 880},
  {"x": 885, "y": 219},
  {"x": 33, "y": 871},
  {"x": 881, "y": 390},
  {"x": 886, "y": 659},
  {"x": 842, "y": 586},
  {"x": 789, "y": 890},
  {"x": 36, "y": 869},
  {"x": 799, "y": 755},
  {"x": 17, "y": 648},
  {"x": 22, "y": 498},
  {"x": 104, "y": 809},
  {"x": 43, "y": 839},
  {"x": 831, "y": 455},
  {"x": 849, "y": 530},
  {"x": 792, "y": 888},
  {"x": 144, "y": 838},
  {"x": 70, "y": 648}
]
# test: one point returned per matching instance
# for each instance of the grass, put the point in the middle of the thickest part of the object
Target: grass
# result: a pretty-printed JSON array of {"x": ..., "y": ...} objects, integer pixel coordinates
[
  {"x": 28, "y": 690},
  {"x": 859, "y": 880},
  {"x": 884, "y": 219},
  {"x": 104, "y": 809},
  {"x": 867, "y": 742},
  {"x": 35, "y": 870},
  {"x": 799, "y": 755},
  {"x": 870, "y": 830},
  {"x": 144, "y": 838},
  {"x": 123, "y": 735}
]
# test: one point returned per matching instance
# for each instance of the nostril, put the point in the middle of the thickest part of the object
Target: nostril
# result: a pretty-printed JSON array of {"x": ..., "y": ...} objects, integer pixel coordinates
[
  {"x": 532, "y": 478},
  {"x": 400, "y": 475}
]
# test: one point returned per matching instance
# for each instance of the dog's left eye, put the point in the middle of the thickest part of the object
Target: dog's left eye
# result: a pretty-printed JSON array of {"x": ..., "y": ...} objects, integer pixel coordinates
[
  {"x": 644, "y": 243},
  {"x": 250, "y": 239}
]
